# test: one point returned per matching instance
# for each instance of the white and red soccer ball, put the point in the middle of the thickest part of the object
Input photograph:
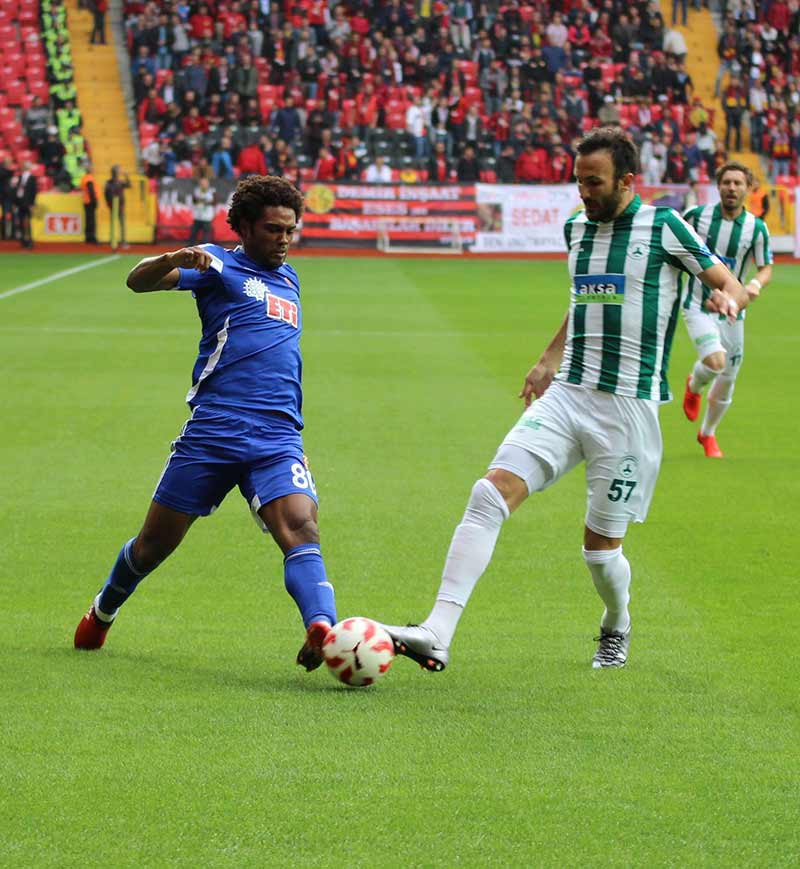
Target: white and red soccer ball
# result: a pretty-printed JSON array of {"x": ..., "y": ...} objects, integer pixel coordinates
[{"x": 358, "y": 651}]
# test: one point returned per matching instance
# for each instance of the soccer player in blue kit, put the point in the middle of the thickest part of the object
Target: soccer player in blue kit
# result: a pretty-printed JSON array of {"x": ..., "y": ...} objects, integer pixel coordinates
[{"x": 246, "y": 401}]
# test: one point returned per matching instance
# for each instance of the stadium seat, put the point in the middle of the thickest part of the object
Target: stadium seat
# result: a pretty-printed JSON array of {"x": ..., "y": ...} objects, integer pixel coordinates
[
  {"x": 39, "y": 89},
  {"x": 468, "y": 67},
  {"x": 14, "y": 63},
  {"x": 473, "y": 95},
  {"x": 15, "y": 92},
  {"x": 28, "y": 15}
]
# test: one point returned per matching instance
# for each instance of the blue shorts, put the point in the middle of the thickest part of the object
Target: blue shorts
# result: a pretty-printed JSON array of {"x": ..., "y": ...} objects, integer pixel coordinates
[{"x": 216, "y": 451}]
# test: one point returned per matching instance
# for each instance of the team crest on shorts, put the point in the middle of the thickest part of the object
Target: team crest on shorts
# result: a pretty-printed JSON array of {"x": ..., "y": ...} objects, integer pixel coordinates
[{"x": 627, "y": 467}]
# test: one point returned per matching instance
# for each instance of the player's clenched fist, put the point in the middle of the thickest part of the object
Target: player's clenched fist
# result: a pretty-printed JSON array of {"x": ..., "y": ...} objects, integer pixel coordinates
[
  {"x": 191, "y": 258},
  {"x": 721, "y": 303}
]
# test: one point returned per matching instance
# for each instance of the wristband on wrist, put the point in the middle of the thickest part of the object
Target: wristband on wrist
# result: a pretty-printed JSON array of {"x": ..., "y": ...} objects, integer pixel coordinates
[{"x": 756, "y": 283}]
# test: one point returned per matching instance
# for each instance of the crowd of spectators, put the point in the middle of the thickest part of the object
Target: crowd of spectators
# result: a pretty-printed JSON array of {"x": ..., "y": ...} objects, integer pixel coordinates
[
  {"x": 428, "y": 90},
  {"x": 759, "y": 76}
]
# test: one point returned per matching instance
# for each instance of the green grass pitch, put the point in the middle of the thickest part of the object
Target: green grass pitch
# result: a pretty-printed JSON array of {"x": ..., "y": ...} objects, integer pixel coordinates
[{"x": 193, "y": 740}]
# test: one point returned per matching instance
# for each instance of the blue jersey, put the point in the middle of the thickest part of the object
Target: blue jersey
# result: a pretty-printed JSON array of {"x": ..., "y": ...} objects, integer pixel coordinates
[{"x": 249, "y": 358}]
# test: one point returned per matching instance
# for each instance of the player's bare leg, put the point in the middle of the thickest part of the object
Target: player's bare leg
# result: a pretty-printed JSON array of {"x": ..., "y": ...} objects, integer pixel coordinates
[
  {"x": 160, "y": 535},
  {"x": 292, "y": 520},
  {"x": 611, "y": 574}
]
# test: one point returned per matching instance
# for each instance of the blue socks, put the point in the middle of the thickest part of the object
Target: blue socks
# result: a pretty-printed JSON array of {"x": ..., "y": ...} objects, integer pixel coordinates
[
  {"x": 304, "y": 575},
  {"x": 120, "y": 585},
  {"x": 306, "y": 581}
]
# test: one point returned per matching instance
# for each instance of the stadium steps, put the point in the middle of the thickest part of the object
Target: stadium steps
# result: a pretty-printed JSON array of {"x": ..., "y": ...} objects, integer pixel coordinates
[
  {"x": 702, "y": 63},
  {"x": 105, "y": 121}
]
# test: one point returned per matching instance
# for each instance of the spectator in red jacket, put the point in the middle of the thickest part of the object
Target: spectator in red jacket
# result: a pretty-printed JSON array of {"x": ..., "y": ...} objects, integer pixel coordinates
[
  {"x": 779, "y": 15},
  {"x": 529, "y": 168},
  {"x": 559, "y": 166},
  {"x": 439, "y": 166},
  {"x": 201, "y": 24},
  {"x": 325, "y": 167},
  {"x": 194, "y": 123},
  {"x": 579, "y": 38},
  {"x": 152, "y": 108},
  {"x": 251, "y": 161}
]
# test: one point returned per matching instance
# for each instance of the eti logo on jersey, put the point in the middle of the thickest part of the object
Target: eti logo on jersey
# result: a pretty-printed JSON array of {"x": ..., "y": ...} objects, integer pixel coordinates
[{"x": 276, "y": 307}]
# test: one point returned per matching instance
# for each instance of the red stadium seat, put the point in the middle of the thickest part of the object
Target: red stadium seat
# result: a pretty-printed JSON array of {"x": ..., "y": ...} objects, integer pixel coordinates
[
  {"x": 8, "y": 34},
  {"x": 147, "y": 132},
  {"x": 14, "y": 63},
  {"x": 15, "y": 92},
  {"x": 28, "y": 16},
  {"x": 468, "y": 67},
  {"x": 40, "y": 89},
  {"x": 25, "y": 155},
  {"x": 608, "y": 71},
  {"x": 473, "y": 95}
]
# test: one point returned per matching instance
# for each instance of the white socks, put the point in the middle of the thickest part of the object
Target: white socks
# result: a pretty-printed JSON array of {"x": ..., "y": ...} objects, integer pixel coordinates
[
  {"x": 611, "y": 574},
  {"x": 701, "y": 374},
  {"x": 719, "y": 399},
  {"x": 470, "y": 553}
]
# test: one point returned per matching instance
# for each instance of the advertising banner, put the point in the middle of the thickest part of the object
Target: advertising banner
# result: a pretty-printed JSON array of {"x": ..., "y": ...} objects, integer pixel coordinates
[
  {"x": 57, "y": 217},
  {"x": 176, "y": 213},
  {"x": 523, "y": 217},
  {"x": 409, "y": 214},
  {"x": 530, "y": 218}
]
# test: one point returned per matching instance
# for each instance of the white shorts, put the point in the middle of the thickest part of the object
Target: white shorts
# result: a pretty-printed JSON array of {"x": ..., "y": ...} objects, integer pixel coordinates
[
  {"x": 618, "y": 437},
  {"x": 710, "y": 335}
]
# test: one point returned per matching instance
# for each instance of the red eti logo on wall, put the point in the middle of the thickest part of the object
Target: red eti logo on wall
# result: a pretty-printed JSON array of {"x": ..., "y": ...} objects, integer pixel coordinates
[{"x": 62, "y": 224}]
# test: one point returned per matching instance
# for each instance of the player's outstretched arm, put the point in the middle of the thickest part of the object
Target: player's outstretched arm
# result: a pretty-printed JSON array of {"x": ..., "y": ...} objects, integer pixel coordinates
[
  {"x": 728, "y": 296},
  {"x": 541, "y": 375},
  {"x": 161, "y": 272}
]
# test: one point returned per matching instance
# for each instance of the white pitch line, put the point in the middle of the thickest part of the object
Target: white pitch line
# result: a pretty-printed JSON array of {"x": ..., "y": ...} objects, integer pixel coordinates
[{"x": 23, "y": 288}]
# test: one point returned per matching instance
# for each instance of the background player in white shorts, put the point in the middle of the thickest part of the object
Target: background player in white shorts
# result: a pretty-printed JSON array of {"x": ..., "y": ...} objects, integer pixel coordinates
[
  {"x": 737, "y": 237},
  {"x": 598, "y": 386}
]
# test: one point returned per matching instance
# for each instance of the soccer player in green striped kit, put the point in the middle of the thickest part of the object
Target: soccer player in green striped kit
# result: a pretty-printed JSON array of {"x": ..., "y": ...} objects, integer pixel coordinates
[
  {"x": 598, "y": 386},
  {"x": 738, "y": 238}
]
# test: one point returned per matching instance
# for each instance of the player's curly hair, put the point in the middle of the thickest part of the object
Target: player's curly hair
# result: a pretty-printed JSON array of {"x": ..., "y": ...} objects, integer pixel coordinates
[
  {"x": 624, "y": 155},
  {"x": 257, "y": 192}
]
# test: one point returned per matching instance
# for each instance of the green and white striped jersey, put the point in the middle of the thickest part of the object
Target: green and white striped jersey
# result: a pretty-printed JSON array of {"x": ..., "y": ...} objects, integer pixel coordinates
[
  {"x": 625, "y": 298},
  {"x": 735, "y": 242}
]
